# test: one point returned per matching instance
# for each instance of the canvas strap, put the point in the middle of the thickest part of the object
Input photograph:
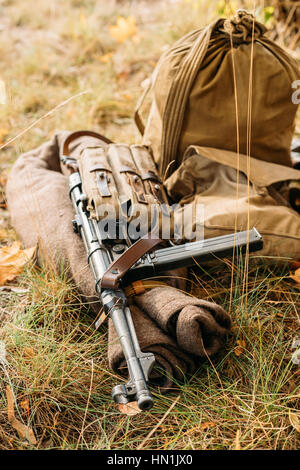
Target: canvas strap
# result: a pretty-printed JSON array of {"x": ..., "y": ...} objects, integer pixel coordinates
[
  {"x": 137, "y": 116},
  {"x": 179, "y": 92}
]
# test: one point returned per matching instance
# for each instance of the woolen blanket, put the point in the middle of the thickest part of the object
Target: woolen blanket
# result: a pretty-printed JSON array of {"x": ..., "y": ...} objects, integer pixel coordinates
[{"x": 179, "y": 329}]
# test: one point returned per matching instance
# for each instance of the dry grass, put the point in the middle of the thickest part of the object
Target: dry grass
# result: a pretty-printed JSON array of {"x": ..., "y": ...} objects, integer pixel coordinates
[{"x": 55, "y": 361}]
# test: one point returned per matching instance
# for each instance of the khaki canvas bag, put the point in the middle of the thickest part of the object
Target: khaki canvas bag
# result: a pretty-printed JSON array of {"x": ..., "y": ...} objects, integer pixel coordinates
[
  {"x": 226, "y": 86},
  {"x": 267, "y": 199}
]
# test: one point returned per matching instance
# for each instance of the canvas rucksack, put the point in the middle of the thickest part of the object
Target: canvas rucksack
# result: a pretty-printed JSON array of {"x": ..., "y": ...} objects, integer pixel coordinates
[
  {"x": 226, "y": 86},
  {"x": 220, "y": 129}
]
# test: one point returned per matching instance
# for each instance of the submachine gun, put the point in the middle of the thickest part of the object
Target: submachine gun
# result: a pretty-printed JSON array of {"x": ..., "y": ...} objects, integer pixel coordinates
[{"x": 109, "y": 184}]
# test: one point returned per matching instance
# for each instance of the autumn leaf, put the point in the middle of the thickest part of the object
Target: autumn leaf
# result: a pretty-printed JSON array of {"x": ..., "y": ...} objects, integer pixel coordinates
[
  {"x": 25, "y": 432},
  {"x": 296, "y": 276},
  {"x": 106, "y": 57},
  {"x": 124, "y": 28},
  {"x": 129, "y": 409},
  {"x": 82, "y": 19},
  {"x": 122, "y": 76},
  {"x": 295, "y": 420},
  {"x": 3, "y": 233},
  {"x": 3, "y": 176},
  {"x": 136, "y": 39},
  {"x": 207, "y": 425},
  {"x": 295, "y": 265},
  {"x": 241, "y": 344},
  {"x": 25, "y": 405},
  {"x": 3, "y": 133},
  {"x": 127, "y": 96},
  {"x": 28, "y": 352},
  {"x": 12, "y": 261}
]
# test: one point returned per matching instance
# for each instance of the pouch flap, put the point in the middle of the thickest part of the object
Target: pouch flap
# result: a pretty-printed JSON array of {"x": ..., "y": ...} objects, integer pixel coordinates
[
  {"x": 97, "y": 179},
  {"x": 260, "y": 173}
]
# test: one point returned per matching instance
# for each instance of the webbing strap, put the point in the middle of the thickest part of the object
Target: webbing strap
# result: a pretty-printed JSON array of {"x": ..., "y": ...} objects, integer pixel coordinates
[{"x": 179, "y": 92}]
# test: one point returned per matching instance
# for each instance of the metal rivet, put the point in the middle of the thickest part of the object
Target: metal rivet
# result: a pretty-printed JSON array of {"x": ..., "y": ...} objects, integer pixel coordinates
[{"x": 119, "y": 248}]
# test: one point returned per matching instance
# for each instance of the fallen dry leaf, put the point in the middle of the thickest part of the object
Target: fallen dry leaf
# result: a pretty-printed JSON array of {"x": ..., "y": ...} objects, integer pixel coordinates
[
  {"x": 106, "y": 57},
  {"x": 12, "y": 261},
  {"x": 123, "y": 29},
  {"x": 3, "y": 176},
  {"x": 241, "y": 344},
  {"x": 130, "y": 409},
  {"x": 207, "y": 425},
  {"x": 136, "y": 39},
  {"x": 3, "y": 233},
  {"x": 3, "y": 133},
  {"x": 295, "y": 420},
  {"x": 296, "y": 276},
  {"x": 25, "y": 432},
  {"x": 28, "y": 352},
  {"x": 25, "y": 405},
  {"x": 295, "y": 265},
  {"x": 122, "y": 76},
  {"x": 82, "y": 19},
  {"x": 127, "y": 96}
]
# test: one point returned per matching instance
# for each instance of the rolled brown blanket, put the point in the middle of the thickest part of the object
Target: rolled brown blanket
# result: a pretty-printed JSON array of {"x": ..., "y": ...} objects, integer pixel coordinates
[
  {"x": 171, "y": 362},
  {"x": 198, "y": 326},
  {"x": 168, "y": 322}
]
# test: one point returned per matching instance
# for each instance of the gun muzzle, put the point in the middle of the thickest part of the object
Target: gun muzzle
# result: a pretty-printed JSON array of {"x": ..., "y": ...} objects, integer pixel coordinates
[
  {"x": 144, "y": 398},
  {"x": 139, "y": 364}
]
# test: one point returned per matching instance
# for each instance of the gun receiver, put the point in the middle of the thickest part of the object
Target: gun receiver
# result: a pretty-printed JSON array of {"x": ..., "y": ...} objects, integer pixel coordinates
[{"x": 178, "y": 256}]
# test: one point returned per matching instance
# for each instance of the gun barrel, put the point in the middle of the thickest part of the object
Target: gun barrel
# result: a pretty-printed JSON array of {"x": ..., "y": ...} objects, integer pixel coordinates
[{"x": 137, "y": 386}]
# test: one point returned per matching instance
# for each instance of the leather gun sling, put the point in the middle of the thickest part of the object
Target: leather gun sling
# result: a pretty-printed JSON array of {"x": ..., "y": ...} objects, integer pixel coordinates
[
  {"x": 112, "y": 276},
  {"x": 75, "y": 135}
]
